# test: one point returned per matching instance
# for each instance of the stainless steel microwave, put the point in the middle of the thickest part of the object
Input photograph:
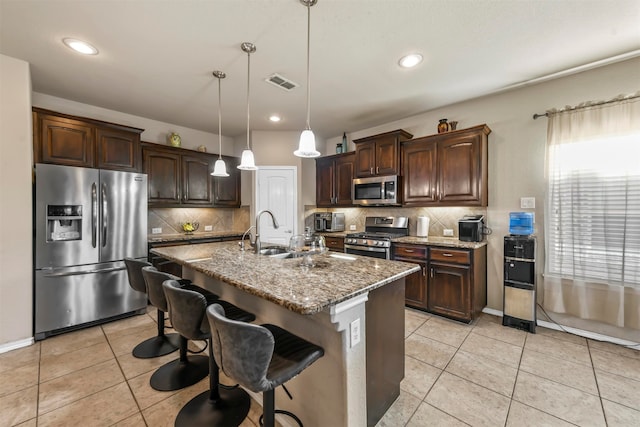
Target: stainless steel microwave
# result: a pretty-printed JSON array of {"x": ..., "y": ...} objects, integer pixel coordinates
[{"x": 377, "y": 191}]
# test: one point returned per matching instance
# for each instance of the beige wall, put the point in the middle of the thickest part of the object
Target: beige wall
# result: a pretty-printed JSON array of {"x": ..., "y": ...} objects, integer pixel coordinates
[
  {"x": 16, "y": 288},
  {"x": 516, "y": 145}
]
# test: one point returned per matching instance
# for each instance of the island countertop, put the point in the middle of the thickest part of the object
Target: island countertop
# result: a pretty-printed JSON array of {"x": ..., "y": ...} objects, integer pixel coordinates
[{"x": 335, "y": 278}]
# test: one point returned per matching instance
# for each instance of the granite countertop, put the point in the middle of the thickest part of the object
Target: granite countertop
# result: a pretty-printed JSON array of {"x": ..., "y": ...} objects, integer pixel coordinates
[
  {"x": 336, "y": 277},
  {"x": 178, "y": 237},
  {"x": 450, "y": 242}
]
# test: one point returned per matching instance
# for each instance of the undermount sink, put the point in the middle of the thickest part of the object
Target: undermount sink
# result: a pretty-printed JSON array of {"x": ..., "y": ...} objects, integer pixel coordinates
[{"x": 275, "y": 252}]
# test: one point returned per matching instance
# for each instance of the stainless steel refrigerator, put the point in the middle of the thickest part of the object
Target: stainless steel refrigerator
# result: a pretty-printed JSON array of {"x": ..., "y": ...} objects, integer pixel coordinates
[{"x": 86, "y": 222}]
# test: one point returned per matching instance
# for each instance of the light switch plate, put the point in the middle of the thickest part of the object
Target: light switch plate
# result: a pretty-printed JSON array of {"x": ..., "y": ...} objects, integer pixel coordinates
[
  {"x": 527, "y": 202},
  {"x": 156, "y": 230},
  {"x": 447, "y": 232},
  {"x": 208, "y": 228},
  {"x": 354, "y": 328},
  {"x": 352, "y": 227}
]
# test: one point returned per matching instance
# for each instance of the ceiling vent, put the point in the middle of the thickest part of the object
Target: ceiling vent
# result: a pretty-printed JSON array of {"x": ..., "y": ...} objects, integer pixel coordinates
[{"x": 281, "y": 82}]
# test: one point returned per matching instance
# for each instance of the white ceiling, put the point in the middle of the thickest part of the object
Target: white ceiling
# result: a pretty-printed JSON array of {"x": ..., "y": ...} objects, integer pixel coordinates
[{"x": 156, "y": 56}]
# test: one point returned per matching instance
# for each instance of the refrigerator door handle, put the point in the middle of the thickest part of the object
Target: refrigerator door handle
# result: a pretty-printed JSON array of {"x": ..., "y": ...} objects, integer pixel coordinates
[
  {"x": 79, "y": 273},
  {"x": 104, "y": 215},
  {"x": 94, "y": 214}
]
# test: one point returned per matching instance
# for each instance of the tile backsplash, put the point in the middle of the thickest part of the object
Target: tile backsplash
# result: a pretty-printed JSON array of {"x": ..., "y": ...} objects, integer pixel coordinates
[
  {"x": 171, "y": 219},
  {"x": 440, "y": 218}
]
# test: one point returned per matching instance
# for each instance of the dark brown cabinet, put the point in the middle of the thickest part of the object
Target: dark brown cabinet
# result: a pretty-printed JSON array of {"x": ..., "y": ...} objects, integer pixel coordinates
[
  {"x": 178, "y": 177},
  {"x": 448, "y": 169},
  {"x": 334, "y": 243},
  {"x": 334, "y": 177},
  {"x": 416, "y": 284},
  {"x": 77, "y": 141},
  {"x": 457, "y": 282},
  {"x": 379, "y": 154}
]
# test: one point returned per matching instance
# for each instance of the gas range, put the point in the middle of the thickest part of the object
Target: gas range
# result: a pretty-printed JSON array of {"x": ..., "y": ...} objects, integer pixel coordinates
[{"x": 375, "y": 241}]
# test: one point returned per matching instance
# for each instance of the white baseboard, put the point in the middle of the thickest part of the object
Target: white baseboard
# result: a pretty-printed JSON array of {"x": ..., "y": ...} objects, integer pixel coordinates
[
  {"x": 575, "y": 331},
  {"x": 16, "y": 344}
]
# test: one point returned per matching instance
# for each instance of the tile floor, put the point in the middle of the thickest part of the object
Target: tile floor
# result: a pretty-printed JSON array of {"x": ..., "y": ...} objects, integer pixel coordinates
[{"x": 482, "y": 374}]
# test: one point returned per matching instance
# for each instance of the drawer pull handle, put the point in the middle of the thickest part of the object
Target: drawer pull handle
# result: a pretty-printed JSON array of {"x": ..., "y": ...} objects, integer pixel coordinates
[
  {"x": 518, "y": 247},
  {"x": 424, "y": 271},
  {"x": 432, "y": 273},
  {"x": 409, "y": 250},
  {"x": 447, "y": 254}
]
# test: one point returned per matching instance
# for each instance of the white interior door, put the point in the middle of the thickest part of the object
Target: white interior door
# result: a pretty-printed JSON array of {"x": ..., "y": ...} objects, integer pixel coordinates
[{"x": 276, "y": 190}]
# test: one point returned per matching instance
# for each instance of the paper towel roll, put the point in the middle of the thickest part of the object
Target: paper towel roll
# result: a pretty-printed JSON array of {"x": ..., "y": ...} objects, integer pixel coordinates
[{"x": 423, "y": 226}]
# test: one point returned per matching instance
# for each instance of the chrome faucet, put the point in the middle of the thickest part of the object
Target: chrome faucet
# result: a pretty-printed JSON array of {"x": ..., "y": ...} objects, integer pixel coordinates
[
  {"x": 241, "y": 242},
  {"x": 256, "y": 242}
]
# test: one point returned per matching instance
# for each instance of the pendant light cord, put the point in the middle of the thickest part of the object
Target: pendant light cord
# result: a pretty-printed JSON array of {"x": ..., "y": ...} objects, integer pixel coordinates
[
  {"x": 308, "y": 62},
  {"x": 219, "y": 119},
  {"x": 248, "y": 92}
]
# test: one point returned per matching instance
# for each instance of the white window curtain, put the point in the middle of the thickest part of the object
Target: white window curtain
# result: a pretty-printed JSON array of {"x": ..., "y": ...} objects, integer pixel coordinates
[{"x": 592, "y": 219}]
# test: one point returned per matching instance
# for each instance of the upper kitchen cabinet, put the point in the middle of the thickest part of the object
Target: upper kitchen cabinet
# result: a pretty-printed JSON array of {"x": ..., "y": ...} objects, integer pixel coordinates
[
  {"x": 334, "y": 176},
  {"x": 447, "y": 169},
  {"x": 177, "y": 177},
  {"x": 77, "y": 141},
  {"x": 379, "y": 154}
]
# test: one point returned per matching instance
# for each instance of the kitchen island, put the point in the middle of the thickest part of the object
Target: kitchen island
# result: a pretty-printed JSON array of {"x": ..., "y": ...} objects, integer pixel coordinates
[{"x": 351, "y": 306}]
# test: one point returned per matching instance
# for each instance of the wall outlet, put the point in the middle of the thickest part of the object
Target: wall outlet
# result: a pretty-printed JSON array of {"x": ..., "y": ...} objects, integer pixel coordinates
[
  {"x": 157, "y": 230},
  {"x": 354, "y": 329},
  {"x": 352, "y": 227},
  {"x": 447, "y": 232},
  {"x": 527, "y": 202},
  {"x": 208, "y": 228}
]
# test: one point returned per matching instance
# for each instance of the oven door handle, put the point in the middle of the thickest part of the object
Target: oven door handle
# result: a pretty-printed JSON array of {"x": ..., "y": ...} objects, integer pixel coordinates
[{"x": 365, "y": 248}]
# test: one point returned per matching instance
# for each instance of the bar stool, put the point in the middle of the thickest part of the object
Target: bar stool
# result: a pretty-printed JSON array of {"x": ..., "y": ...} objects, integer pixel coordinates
[
  {"x": 260, "y": 358},
  {"x": 220, "y": 405},
  {"x": 162, "y": 343},
  {"x": 183, "y": 371}
]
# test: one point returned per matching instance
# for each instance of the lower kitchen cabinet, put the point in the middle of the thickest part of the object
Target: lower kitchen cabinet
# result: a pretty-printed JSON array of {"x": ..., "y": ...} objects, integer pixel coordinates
[
  {"x": 457, "y": 282},
  {"x": 334, "y": 243},
  {"x": 416, "y": 283}
]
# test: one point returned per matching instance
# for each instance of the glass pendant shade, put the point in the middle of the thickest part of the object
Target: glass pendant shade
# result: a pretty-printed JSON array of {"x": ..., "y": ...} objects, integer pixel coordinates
[
  {"x": 307, "y": 145},
  {"x": 220, "y": 168},
  {"x": 247, "y": 162}
]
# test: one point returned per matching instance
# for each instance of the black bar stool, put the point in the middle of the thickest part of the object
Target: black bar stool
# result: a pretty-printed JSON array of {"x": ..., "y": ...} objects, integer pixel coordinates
[
  {"x": 185, "y": 370},
  {"x": 219, "y": 406},
  {"x": 162, "y": 343},
  {"x": 260, "y": 358}
]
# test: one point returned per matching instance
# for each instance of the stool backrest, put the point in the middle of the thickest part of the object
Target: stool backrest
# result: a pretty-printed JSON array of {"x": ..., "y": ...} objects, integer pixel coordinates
[
  {"x": 186, "y": 311},
  {"x": 154, "y": 279},
  {"x": 242, "y": 350},
  {"x": 134, "y": 271}
]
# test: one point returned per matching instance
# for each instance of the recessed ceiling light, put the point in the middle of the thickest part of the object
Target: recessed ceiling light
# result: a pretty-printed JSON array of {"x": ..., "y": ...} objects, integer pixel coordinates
[
  {"x": 274, "y": 118},
  {"x": 410, "y": 61},
  {"x": 80, "y": 46}
]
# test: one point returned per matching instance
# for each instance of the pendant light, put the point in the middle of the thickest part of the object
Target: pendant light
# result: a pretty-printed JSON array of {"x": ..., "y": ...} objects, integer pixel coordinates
[
  {"x": 220, "y": 168},
  {"x": 307, "y": 145},
  {"x": 247, "y": 162}
]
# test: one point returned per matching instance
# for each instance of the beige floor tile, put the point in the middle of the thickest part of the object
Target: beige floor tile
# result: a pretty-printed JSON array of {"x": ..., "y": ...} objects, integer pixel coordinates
[
  {"x": 620, "y": 365},
  {"x": 121, "y": 326},
  {"x": 427, "y": 415},
  {"x": 521, "y": 415},
  {"x": 163, "y": 414},
  {"x": 253, "y": 417},
  {"x": 18, "y": 407},
  {"x": 144, "y": 394},
  {"x": 564, "y": 402},
  {"x": 619, "y": 415},
  {"x": 429, "y": 351},
  {"x": 125, "y": 341},
  {"x": 412, "y": 321},
  {"x": 559, "y": 348},
  {"x": 615, "y": 348},
  {"x": 104, "y": 408},
  {"x": 400, "y": 411},
  {"x": 54, "y": 366},
  {"x": 556, "y": 369},
  {"x": 561, "y": 335},
  {"x": 488, "y": 327},
  {"x": 418, "y": 377},
  {"x": 615, "y": 388},
  {"x": 445, "y": 331},
  {"x": 20, "y": 357},
  {"x": 71, "y": 341},
  {"x": 483, "y": 371},
  {"x": 133, "y": 421},
  {"x": 500, "y": 351},
  {"x": 132, "y": 366},
  {"x": 18, "y": 378},
  {"x": 31, "y": 423},
  {"x": 468, "y": 402},
  {"x": 77, "y": 385}
]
